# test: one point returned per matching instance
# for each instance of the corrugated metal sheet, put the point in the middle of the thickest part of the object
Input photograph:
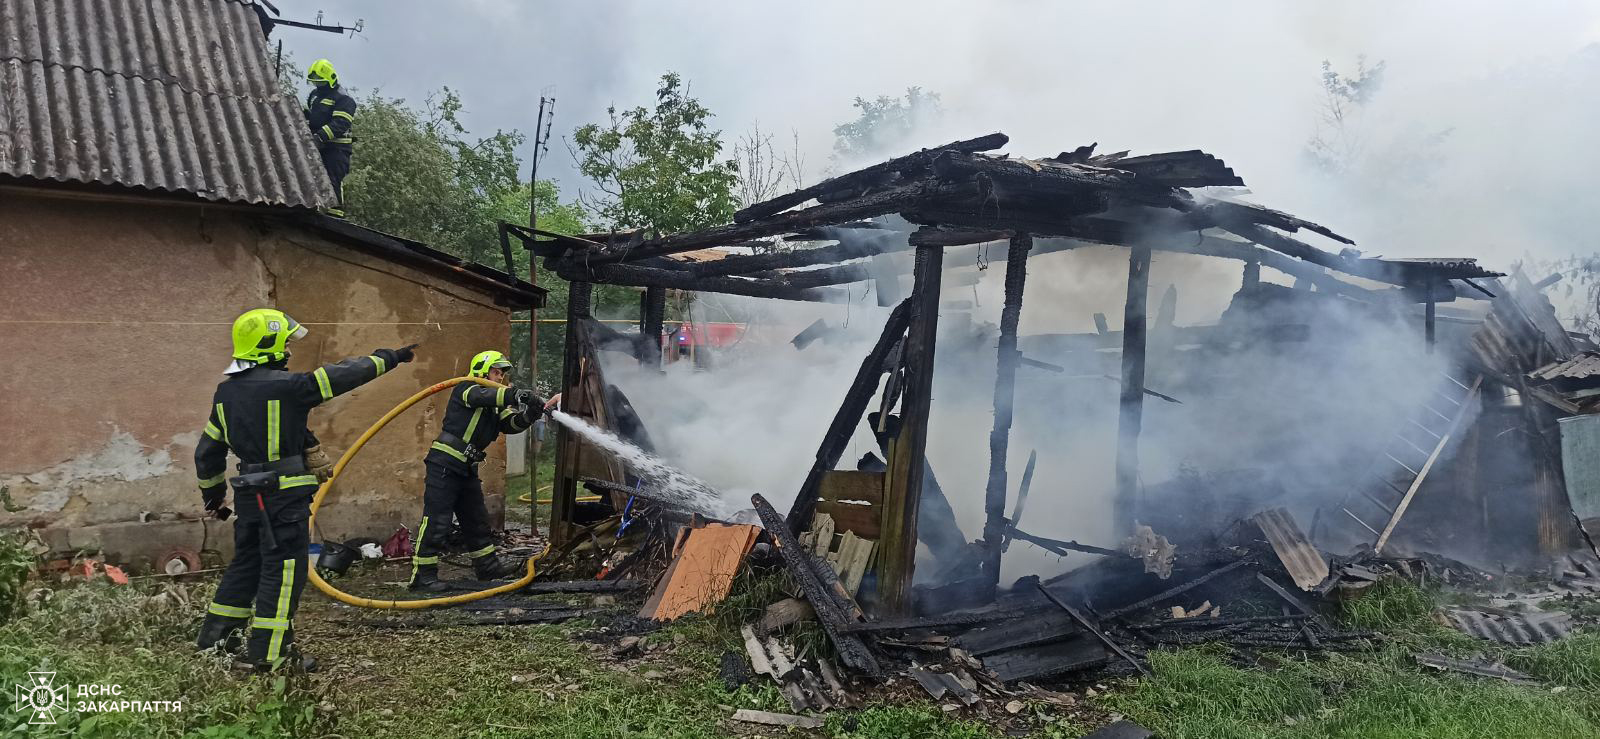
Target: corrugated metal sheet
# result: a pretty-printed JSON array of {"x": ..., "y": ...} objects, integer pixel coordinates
[
  {"x": 170, "y": 95},
  {"x": 1304, "y": 563},
  {"x": 1580, "y": 467},
  {"x": 1520, "y": 629}
]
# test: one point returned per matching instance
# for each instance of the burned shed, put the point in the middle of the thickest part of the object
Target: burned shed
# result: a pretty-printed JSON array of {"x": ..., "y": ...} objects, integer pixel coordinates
[{"x": 961, "y": 200}]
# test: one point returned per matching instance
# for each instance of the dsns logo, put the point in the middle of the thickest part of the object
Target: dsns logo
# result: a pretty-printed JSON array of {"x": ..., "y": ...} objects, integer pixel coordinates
[{"x": 41, "y": 698}]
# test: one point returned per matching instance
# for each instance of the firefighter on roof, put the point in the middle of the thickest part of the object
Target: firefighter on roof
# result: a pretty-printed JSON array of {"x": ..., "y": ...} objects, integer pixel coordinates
[
  {"x": 259, "y": 413},
  {"x": 474, "y": 417},
  {"x": 329, "y": 114}
]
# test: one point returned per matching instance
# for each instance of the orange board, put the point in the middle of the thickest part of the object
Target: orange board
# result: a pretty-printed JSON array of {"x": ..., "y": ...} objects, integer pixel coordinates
[{"x": 702, "y": 574}]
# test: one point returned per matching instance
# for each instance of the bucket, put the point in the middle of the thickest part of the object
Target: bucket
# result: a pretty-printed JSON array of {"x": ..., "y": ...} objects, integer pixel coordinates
[{"x": 336, "y": 557}]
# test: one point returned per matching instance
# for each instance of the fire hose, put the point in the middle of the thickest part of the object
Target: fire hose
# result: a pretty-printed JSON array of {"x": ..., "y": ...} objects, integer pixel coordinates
[{"x": 322, "y": 490}]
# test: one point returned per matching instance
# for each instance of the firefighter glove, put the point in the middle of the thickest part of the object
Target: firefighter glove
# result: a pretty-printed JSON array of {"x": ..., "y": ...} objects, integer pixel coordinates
[
  {"x": 318, "y": 463},
  {"x": 214, "y": 497}
]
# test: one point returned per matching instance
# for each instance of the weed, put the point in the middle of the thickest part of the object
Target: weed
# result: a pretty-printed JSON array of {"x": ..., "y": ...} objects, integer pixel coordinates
[
  {"x": 1573, "y": 662},
  {"x": 16, "y": 563},
  {"x": 1390, "y": 604}
]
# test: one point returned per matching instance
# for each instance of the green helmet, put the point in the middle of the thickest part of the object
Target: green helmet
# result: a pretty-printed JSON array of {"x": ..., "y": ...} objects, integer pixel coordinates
[
  {"x": 321, "y": 73},
  {"x": 263, "y": 335},
  {"x": 485, "y": 361}
]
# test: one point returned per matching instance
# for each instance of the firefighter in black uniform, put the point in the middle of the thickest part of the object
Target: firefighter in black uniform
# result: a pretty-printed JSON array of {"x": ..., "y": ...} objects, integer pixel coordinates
[
  {"x": 329, "y": 114},
  {"x": 259, "y": 413},
  {"x": 474, "y": 417}
]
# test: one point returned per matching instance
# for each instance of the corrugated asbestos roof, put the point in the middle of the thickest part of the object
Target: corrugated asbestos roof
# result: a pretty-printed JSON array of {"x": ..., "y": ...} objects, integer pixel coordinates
[
  {"x": 171, "y": 95},
  {"x": 1583, "y": 365}
]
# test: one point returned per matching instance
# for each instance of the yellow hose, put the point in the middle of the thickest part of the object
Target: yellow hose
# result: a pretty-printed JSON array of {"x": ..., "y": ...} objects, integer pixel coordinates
[{"x": 316, "y": 502}]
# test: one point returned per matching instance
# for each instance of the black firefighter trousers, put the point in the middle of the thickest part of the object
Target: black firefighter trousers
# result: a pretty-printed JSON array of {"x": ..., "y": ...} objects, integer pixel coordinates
[
  {"x": 263, "y": 582},
  {"x": 336, "y": 159},
  {"x": 451, "y": 489}
]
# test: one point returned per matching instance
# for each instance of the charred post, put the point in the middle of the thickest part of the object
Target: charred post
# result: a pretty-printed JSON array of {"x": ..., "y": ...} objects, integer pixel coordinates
[
  {"x": 1131, "y": 416},
  {"x": 655, "y": 309},
  {"x": 994, "y": 502},
  {"x": 903, "y": 489},
  {"x": 848, "y": 416},
  {"x": 564, "y": 492}
]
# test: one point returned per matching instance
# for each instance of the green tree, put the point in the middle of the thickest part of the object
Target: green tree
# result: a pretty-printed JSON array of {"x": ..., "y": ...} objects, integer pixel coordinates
[
  {"x": 885, "y": 125},
  {"x": 658, "y": 168},
  {"x": 414, "y": 174}
]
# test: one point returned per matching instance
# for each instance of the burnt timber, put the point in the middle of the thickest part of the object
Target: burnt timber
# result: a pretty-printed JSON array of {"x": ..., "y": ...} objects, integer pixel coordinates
[{"x": 964, "y": 198}]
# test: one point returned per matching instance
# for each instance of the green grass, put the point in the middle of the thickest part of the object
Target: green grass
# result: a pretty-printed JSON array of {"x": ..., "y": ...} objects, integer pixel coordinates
[
  {"x": 544, "y": 681},
  {"x": 141, "y": 640}
]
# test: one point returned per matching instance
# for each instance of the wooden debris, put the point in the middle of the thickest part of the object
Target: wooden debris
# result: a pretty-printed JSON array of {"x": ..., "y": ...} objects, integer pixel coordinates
[
  {"x": 834, "y": 609},
  {"x": 1094, "y": 629},
  {"x": 702, "y": 574},
  {"x": 785, "y": 612},
  {"x": 752, "y": 716}
]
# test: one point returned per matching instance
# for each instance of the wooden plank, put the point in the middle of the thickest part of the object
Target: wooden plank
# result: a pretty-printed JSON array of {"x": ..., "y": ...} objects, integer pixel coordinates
[
  {"x": 1080, "y": 652},
  {"x": 903, "y": 489},
  {"x": 1411, "y": 492},
  {"x": 866, "y": 521},
  {"x": 1044, "y": 627},
  {"x": 852, "y": 485},
  {"x": 703, "y": 573}
]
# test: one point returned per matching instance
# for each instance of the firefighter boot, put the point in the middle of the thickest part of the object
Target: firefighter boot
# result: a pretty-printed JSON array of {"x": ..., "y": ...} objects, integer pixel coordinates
[
  {"x": 425, "y": 579},
  {"x": 221, "y": 631},
  {"x": 492, "y": 566}
]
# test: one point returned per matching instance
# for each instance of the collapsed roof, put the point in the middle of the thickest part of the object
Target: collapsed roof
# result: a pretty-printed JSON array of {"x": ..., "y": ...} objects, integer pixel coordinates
[{"x": 960, "y": 195}]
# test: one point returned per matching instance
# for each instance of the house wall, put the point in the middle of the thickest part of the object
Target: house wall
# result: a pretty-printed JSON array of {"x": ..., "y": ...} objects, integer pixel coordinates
[{"x": 114, "y": 330}]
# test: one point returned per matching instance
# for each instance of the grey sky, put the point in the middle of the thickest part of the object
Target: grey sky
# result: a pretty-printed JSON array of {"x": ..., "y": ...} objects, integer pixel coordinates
[{"x": 1511, "y": 84}]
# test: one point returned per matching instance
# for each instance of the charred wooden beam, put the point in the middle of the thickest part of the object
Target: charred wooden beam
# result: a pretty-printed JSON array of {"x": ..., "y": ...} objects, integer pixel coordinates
[
  {"x": 918, "y": 160},
  {"x": 847, "y": 417},
  {"x": 1058, "y": 546},
  {"x": 1057, "y": 178},
  {"x": 806, "y": 571},
  {"x": 994, "y": 502},
  {"x": 943, "y": 236},
  {"x": 641, "y": 276},
  {"x": 867, "y": 206},
  {"x": 564, "y": 494},
  {"x": 1178, "y": 590},
  {"x": 866, "y": 244},
  {"x": 1131, "y": 415},
  {"x": 655, "y": 311},
  {"x": 903, "y": 493}
]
